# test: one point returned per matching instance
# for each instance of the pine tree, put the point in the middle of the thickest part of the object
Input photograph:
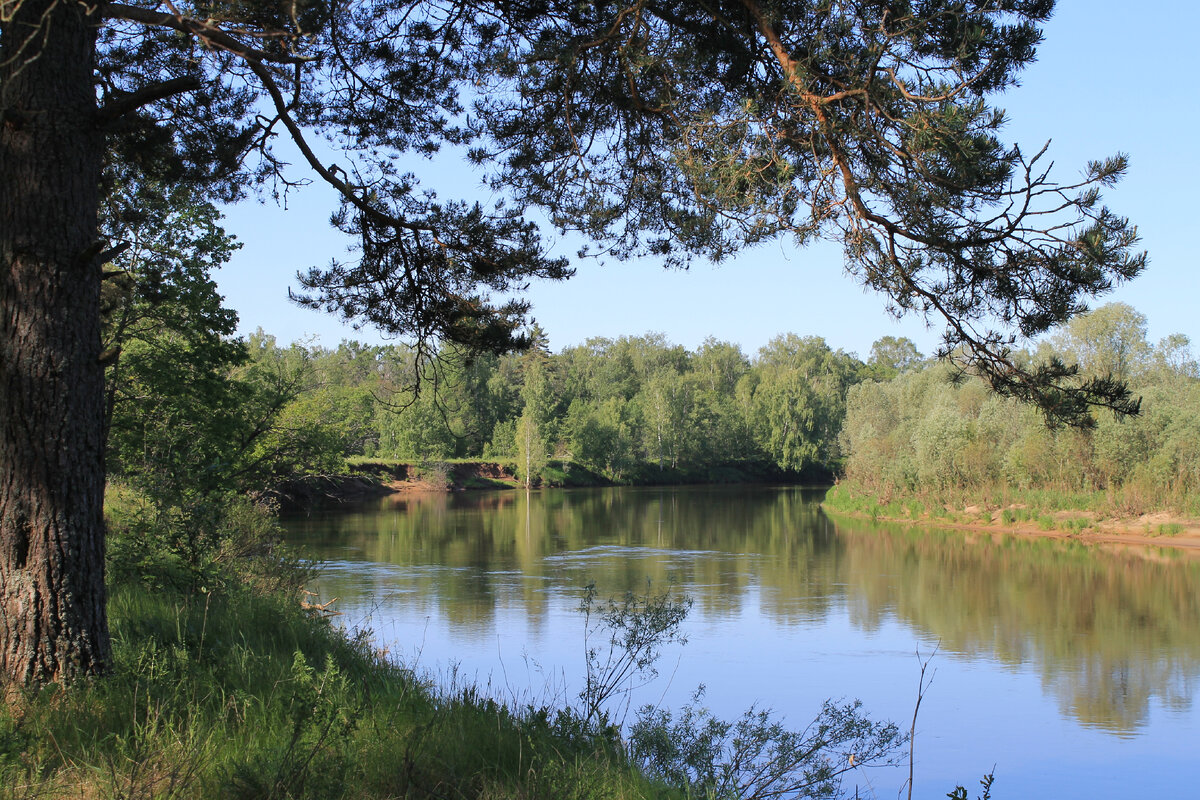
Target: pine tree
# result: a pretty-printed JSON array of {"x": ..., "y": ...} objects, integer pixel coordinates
[{"x": 678, "y": 130}]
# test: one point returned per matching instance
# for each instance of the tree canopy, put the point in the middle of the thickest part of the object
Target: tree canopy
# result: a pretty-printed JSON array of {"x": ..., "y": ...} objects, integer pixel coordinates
[{"x": 697, "y": 130}]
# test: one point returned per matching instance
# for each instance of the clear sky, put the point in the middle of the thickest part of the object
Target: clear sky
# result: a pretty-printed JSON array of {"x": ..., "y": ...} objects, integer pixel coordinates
[{"x": 1111, "y": 76}]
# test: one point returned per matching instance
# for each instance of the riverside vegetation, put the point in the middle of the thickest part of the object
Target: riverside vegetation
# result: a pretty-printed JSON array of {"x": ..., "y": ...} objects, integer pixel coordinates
[
  {"x": 224, "y": 686},
  {"x": 896, "y": 427},
  {"x": 904, "y": 436},
  {"x": 921, "y": 446}
]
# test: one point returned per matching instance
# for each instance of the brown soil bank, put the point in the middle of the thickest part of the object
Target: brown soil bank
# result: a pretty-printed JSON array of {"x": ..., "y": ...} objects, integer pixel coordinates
[
  {"x": 1158, "y": 529},
  {"x": 368, "y": 479},
  {"x": 377, "y": 479},
  {"x": 441, "y": 476}
]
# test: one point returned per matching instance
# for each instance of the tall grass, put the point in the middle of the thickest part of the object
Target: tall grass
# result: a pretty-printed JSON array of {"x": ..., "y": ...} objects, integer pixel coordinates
[{"x": 235, "y": 691}]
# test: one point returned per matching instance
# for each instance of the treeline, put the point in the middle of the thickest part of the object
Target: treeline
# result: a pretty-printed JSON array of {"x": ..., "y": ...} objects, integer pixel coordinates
[
  {"x": 630, "y": 404},
  {"x": 622, "y": 408},
  {"x": 194, "y": 412},
  {"x": 924, "y": 435}
]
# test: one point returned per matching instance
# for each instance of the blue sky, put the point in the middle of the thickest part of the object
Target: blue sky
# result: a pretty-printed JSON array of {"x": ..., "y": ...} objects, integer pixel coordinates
[{"x": 1106, "y": 80}]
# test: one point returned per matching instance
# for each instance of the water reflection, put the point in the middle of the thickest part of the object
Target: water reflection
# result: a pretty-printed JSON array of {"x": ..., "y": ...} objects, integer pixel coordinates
[{"x": 1107, "y": 632}]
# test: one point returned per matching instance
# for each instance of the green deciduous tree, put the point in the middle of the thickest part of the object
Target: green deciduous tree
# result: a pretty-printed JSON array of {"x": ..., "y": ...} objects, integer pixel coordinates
[
  {"x": 891, "y": 355},
  {"x": 165, "y": 328},
  {"x": 296, "y": 418},
  {"x": 1110, "y": 341},
  {"x": 531, "y": 448},
  {"x": 666, "y": 402},
  {"x": 536, "y": 428},
  {"x": 600, "y": 435},
  {"x": 418, "y": 429},
  {"x": 799, "y": 400},
  {"x": 196, "y": 417}
]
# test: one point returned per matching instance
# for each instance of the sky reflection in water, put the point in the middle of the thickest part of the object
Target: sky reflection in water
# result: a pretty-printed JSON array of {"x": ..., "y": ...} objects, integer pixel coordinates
[{"x": 1072, "y": 669}]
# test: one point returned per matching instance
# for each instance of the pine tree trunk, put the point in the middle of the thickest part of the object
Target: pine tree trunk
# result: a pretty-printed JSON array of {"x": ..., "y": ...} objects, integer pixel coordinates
[{"x": 52, "y": 596}]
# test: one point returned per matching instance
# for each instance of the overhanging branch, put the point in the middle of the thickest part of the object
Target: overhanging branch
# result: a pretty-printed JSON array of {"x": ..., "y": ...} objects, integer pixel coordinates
[
  {"x": 119, "y": 107},
  {"x": 206, "y": 30}
]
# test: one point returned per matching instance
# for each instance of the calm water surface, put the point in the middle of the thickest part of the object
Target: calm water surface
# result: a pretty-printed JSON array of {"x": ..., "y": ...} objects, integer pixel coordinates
[{"x": 1071, "y": 669}]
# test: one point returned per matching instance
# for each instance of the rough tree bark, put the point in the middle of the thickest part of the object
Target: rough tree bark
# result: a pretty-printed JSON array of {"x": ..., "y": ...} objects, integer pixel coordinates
[{"x": 52, "y": 596}]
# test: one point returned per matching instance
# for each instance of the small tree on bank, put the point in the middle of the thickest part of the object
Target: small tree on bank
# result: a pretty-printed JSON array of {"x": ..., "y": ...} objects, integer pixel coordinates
[{"x": 531, "y": 449}]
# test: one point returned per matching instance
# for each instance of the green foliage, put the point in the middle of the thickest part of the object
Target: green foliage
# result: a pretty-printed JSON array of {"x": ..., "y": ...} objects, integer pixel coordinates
[
  {"x": 1108, "y": 341},
  {"x": 666, "y": 402},
  {"x": 418, "y": 430},
  {"x": 531, "y": 449},
  {"x": 797, "y": 395},
  {"x": 321, "y": 712},
  {"x": 620, "y": 408},
  {"x": 632, "y": 629},
  {"x": 162, "y": 279},
  {"x": 891, "y": 355},
  {"x": 166, "y": 329},
  {"x": 195, "y": 415},
  {"x": 756, "y": 757},
  {"x": 199, "y": 547},
  {"x": 1076, "y": 524},
  {"x": 960, "y": 792},
  {"x": 504, "y": 440},
  {"x": 599, "y": 436},
  {"x": 921, "y": 433}
]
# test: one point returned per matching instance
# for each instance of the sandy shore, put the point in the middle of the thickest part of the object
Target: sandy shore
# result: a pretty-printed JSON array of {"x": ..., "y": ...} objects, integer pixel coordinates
[{"x": 1144, "y": 530}]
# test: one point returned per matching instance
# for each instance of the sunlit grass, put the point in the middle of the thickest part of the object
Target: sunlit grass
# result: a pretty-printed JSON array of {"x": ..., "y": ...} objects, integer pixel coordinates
[
  {"x": 1046, "y": 509},
  {"x": 241, "y": 693}
]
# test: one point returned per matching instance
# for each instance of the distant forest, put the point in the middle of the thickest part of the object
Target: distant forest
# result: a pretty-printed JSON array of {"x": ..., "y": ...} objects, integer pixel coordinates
[
  {"x": 923, "y": 433},
  {"x": 257, "y": 412}
]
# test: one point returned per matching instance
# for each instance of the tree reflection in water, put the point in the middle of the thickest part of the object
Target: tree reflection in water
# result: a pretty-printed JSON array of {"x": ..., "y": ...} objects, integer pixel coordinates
[{"x": 1107, "y": 630}]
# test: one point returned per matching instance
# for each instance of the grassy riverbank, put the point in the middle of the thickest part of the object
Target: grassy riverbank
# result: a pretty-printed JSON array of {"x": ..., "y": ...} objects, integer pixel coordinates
[
  {"x": 225, "y": 683},
  {"x": 1095, "y": 516},
  {"x": 224, "y": 686}
]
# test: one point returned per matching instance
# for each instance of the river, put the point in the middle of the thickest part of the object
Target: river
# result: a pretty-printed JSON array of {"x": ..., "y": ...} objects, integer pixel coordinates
[{"x": 1070, "y": 669}]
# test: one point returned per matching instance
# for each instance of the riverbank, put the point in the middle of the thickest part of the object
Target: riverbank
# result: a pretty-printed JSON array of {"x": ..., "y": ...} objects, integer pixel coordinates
[
  {"x": 225, "y": 684},
  {"x": 1030, "y": 514},
  {"x": 371, "y": 478}
]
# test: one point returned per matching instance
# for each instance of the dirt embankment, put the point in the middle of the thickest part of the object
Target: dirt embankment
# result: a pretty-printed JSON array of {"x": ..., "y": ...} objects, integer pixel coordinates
[
  {"x": 1158, "y": 529},
  {"x": 379, "y": 479},
  {"x": 443, "y": 476}
]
